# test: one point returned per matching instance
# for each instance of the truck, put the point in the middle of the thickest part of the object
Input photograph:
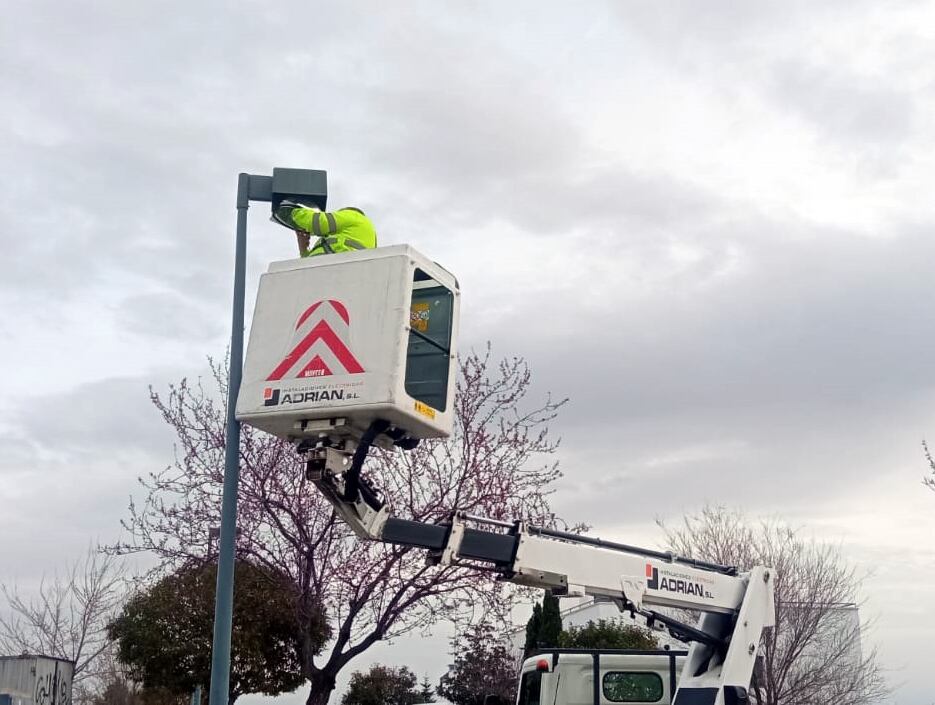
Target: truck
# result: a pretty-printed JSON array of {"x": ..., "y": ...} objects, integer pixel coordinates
[
  {"x": 599, "y": 676},
  {"x": 357, "y": 350},
  {"x": 735, "y": 606}
]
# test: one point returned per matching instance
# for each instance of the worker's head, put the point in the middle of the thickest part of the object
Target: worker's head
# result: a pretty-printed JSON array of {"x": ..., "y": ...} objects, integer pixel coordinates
[{"x": 282, "y": 214}]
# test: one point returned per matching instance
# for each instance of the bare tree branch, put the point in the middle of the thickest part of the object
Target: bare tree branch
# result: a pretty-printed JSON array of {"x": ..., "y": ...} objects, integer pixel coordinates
[
  {"x": 929, "y": 481},
  {"x": 496, "y": 463},
  {"x": 815, "y": 653},
  {"x": 67, "y": 616}
]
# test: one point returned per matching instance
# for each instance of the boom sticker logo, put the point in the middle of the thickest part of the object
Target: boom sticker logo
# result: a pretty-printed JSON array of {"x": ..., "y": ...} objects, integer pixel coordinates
[
  {"x": 270, "y": 397},
  {"x": 320, "y": 345},
  {"x": 674, "y": 582},
  {"x": 652, "y": 577}
]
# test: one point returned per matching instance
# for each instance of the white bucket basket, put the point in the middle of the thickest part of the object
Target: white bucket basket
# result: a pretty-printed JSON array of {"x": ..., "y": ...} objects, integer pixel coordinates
[{"x": 342, "y": 340}]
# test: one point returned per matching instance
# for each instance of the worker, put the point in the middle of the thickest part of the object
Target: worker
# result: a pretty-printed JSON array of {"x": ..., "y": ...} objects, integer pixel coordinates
[{"x": 344, "y": 230}]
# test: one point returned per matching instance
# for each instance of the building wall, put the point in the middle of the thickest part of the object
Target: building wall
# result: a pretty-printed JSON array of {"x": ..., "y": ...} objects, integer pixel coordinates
[{"x": 35, "y": 680}]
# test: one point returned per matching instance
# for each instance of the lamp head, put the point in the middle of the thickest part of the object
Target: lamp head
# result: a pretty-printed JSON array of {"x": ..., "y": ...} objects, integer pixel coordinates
[
  {"x": 282, "y": 213},
  {"x": 297, "y": 187}
]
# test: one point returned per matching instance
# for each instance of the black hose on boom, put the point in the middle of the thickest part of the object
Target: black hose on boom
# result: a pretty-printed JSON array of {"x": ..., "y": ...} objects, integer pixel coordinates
[{"x": 352, "y": 481}]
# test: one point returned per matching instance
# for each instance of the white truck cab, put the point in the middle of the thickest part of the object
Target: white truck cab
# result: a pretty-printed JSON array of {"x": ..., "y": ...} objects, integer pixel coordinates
[{"x": 599, "y": 677}]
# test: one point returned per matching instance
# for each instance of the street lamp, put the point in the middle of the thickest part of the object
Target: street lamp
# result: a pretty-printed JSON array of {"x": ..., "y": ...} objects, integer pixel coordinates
[{"x": 305, "y": 186}]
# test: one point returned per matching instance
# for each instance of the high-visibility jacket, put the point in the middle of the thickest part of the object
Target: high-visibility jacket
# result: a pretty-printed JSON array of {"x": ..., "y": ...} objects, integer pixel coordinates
[{"x": 343, "y": 230}]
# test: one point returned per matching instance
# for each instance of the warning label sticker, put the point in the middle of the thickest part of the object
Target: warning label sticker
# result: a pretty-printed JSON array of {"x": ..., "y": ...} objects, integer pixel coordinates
[{"x": 425, "y": 410}]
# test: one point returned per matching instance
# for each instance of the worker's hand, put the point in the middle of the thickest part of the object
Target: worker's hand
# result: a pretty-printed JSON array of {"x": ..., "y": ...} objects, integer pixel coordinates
[{"x": 303, "y": 239}]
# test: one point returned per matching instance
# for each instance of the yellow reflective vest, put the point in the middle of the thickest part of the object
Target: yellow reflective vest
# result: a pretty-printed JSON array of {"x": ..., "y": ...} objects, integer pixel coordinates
[{"x": 343, "y": 230}]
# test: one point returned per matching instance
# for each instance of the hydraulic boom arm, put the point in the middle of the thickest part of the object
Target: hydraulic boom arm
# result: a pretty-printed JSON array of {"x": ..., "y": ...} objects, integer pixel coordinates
[{"x": 735, "y": 607}]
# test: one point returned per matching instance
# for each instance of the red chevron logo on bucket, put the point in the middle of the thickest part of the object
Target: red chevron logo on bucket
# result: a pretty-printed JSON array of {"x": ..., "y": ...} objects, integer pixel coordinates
[{"x": 320, "y": 345}]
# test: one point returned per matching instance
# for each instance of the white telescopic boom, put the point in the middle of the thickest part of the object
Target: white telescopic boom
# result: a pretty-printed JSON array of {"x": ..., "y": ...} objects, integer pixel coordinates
[{"x": 735, "y": 607}]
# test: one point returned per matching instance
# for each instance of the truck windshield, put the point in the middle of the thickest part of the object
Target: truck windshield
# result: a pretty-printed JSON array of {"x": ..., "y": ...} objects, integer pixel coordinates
[{"x": 529, "y": 688}]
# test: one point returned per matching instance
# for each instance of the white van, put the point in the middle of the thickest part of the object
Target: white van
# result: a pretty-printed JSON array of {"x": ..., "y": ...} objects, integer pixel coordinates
[{"x": 599, "y": 677}]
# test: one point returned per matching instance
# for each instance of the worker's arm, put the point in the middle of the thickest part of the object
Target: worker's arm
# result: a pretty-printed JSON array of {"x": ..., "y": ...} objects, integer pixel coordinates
[
  {"x": 315, "y": 222},
  {"x": 303, "y": 239}
]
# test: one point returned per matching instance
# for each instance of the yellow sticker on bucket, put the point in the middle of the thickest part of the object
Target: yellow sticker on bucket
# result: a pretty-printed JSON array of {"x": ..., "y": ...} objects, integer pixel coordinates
[
  {"x": 419, "y": 314},
  {"x": 425, "y": 409}
]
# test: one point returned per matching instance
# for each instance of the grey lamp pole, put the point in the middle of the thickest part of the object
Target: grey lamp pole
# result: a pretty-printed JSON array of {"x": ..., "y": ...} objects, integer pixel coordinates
[{"x": 305, "y": 186}]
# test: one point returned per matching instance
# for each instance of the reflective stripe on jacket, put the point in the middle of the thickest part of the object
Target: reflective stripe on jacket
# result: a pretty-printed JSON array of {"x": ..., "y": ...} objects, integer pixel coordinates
[{"x": 344, "y": 230}]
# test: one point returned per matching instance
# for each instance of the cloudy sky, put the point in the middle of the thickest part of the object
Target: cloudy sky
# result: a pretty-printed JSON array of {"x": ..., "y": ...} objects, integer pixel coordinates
[{"x": 709, "y": 224}]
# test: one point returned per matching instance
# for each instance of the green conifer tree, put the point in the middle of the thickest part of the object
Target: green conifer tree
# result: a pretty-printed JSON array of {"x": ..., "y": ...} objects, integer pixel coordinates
[
  {"x": 532, "y": 630},
  {"x": 426, "y": 691},
  {"x": 544, "y": 626},
  {"x": 551, "y": 626}
]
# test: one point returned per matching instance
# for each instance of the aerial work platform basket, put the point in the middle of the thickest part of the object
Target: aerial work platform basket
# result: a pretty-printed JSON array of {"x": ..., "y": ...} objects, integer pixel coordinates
[{"x": 339, "y": 341}]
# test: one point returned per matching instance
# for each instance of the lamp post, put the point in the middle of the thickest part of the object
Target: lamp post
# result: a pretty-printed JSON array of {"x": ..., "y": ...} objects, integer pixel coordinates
[{"x": 305, "y": 185}]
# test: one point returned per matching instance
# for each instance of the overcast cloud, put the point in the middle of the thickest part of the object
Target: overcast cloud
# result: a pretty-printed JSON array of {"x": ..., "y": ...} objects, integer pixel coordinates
[{"x": 708, "y": 224}]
